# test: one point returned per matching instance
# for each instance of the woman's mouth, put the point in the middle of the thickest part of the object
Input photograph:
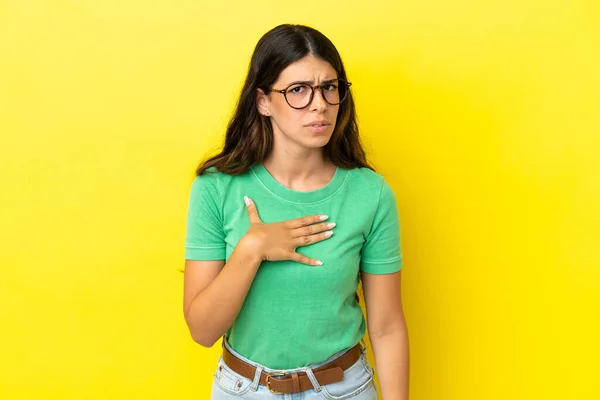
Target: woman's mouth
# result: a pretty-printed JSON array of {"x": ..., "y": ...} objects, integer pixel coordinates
[{"x": 318, "y": 126}]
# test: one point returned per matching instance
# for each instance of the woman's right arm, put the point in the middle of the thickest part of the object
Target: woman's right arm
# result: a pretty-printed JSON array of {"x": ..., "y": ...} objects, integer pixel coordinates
[{"x": 214, "y": 292}]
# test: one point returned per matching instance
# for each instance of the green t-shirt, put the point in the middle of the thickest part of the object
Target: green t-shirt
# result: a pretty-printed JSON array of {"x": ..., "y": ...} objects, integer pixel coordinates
[{"x": 294, "y": 314}]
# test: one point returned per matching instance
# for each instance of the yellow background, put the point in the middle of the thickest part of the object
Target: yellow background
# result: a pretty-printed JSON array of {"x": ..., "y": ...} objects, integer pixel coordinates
[{"x": 483, "y": 116}]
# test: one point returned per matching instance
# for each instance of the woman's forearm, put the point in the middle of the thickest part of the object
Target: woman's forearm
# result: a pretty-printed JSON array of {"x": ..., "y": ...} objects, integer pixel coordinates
[
  {"x": 214, "y": 309},
  {"x": 391, "y": 352}
]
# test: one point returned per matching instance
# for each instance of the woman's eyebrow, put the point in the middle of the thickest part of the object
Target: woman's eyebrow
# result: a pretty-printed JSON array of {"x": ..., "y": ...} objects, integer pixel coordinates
[{"x": 312, "y": 82}]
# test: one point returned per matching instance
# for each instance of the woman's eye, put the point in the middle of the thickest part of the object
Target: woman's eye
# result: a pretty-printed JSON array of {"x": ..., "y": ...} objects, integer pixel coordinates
[
  {"x": 330, "y": 87},
  {"x": 297, "y": 89}
]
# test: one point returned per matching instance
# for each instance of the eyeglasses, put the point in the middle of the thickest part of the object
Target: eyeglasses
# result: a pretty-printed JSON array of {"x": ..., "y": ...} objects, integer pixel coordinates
[{"x": 300, "y": 95}]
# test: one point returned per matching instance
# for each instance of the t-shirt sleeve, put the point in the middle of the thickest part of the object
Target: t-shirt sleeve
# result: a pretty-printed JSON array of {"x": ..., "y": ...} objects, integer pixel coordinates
[
  {"x": 204, "y": 239},
  {"x": 381, "y": 252}
]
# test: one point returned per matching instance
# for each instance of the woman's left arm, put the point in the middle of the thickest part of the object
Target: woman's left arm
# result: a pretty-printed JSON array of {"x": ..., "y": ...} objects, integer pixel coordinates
[{"x": 388, "y": 333}]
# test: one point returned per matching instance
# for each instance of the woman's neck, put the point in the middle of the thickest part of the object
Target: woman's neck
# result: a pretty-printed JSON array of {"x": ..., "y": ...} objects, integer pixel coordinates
[{"x": 301, "y": 172}]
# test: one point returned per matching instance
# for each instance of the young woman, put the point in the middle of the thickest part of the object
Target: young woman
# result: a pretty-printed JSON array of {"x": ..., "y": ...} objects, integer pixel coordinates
[{"x": 281, "y": 226}]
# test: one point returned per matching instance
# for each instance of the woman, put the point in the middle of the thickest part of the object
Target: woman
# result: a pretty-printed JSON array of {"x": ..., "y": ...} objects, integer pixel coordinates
[{"x": 264, "y": 269}]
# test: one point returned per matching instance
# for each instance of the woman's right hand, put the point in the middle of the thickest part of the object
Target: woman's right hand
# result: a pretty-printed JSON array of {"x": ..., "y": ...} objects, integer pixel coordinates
[{"x": 278, "y": 241}]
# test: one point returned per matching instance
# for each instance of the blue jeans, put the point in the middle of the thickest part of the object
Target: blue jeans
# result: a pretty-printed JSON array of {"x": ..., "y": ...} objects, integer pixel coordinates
[{"x": 357, "y": 384}]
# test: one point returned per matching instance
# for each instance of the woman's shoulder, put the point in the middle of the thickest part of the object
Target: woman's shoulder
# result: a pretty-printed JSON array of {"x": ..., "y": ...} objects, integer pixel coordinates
[
  {"x": 365, "y": 176},
  {"x": 213, "y": 177}
]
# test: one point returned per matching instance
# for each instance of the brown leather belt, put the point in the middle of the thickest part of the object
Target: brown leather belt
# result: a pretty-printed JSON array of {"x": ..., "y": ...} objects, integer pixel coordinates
[{"x": 298, "y": 381}]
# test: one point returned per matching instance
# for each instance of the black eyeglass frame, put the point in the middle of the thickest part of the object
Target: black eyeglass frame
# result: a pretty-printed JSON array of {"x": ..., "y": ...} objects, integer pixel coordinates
[{"x": 312, "y": 93}]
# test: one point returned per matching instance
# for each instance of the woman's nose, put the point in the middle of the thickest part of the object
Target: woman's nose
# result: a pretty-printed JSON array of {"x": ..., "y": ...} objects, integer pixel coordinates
[{"x": 318, "y": 102}]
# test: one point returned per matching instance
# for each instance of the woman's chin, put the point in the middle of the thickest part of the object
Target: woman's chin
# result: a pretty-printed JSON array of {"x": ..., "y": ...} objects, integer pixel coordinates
[{"x": 317, "y": 141}]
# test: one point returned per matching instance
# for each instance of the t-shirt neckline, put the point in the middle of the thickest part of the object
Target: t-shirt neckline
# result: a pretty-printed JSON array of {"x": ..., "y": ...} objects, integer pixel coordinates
[{"x": 294, "y": 196}]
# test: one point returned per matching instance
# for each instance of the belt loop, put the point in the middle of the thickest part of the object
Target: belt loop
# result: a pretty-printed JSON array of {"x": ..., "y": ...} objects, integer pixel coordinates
[
  {"x": 256, "y": 380},
  {"x": 364, "y": 346},
  {"x": 295, "y": 382},
  {"x": 313, "y": 379}
]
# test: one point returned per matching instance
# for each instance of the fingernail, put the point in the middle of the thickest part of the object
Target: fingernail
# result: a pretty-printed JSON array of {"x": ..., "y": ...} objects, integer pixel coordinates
[
  {"x": 331, "y": 225},
  {"x": 323, "y": 217},
  {"x": 318, "y": 262},
  {"x": 247, "y": 201},
  {"x": 328, "y": 233}
]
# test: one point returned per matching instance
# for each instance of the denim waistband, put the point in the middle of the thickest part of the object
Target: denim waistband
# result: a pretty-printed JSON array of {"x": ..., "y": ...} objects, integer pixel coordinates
[{"x": 289, "y": 371}]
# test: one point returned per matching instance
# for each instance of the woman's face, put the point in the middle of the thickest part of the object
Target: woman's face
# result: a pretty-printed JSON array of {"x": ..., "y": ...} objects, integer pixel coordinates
[{"x": 307, "y": 128}]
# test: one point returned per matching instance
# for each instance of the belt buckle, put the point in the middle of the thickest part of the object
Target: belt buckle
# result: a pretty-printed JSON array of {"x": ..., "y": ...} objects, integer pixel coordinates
[{"x": 269, "y": 382}]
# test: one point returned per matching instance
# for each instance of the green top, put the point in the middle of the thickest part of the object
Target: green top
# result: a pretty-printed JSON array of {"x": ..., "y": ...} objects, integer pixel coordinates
[{"x": 294, "y": 314}]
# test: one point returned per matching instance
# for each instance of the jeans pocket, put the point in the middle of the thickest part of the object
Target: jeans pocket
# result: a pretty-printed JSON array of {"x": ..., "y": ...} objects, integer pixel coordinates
[
  {"x": 229, "y": 381},
  {"x": 357, "y": 383}
]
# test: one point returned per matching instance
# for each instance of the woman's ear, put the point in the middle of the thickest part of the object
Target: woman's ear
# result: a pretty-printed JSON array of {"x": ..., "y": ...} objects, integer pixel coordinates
[{"x": 262, "y": 102}]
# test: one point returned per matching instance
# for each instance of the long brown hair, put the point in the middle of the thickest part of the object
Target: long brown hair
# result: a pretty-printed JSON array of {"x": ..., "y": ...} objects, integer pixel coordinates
[{"x": 249, "y": 135}]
